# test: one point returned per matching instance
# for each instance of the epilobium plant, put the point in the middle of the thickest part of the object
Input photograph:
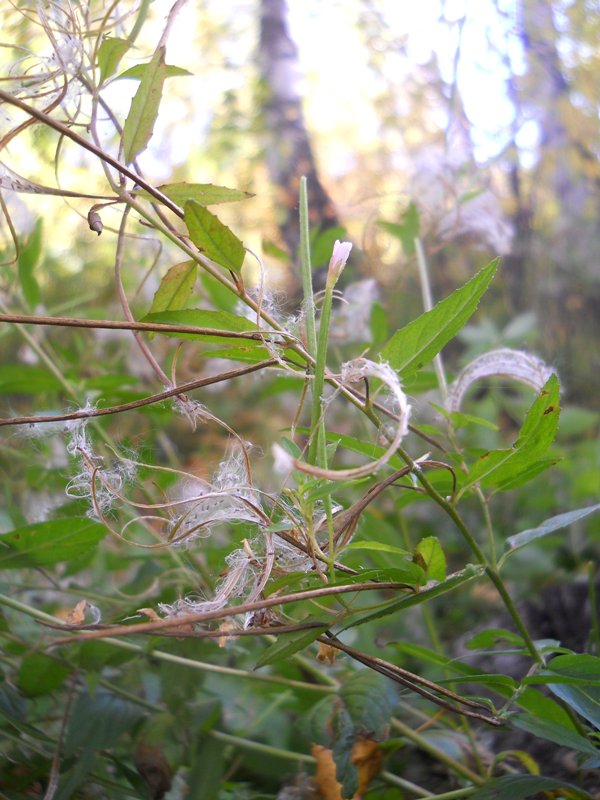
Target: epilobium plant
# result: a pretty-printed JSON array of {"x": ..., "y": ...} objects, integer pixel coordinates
[{"x": 314, "y": 586}]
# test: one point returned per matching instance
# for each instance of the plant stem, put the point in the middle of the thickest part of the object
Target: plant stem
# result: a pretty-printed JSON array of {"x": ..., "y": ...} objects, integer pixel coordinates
[
  {"x": 175, "y": 659},
  {"x": 436, "y": 752}
]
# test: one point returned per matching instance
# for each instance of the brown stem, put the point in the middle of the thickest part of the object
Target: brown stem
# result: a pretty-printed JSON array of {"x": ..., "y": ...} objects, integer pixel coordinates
[
  {"x": 145, "y": 401},
  {"x": 92, "y": 148},
  {"x": 232, "y": 611}
]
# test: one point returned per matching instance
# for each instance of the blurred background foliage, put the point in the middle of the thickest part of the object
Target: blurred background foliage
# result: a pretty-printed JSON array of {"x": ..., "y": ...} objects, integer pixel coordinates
[
  {"x": 485, "y": 115},
  {"x": 474, "y": 125}
]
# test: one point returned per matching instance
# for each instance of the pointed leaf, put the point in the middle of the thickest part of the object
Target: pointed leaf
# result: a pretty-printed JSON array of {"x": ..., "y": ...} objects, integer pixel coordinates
[
  {"x": 585, "y": 700},
  {"x": 549, "y": 526},
  {"x": 470, "y": 572},
  {"x": 207, "y": 194},
  {"x": 536, "y": 436},
  {"x": 415, "y": 345},
  {"x": 138, "y": 71},
  {"x": 213, "y": 238},
  {"x": 110, "y": 53},
  {"x": 519, "y": 787},
  {"x": 175, "y": 288},
  {"x": 554, "y": 733},
  {"x": 143, "y": 112},
  {"x": 288, "y": 644}
]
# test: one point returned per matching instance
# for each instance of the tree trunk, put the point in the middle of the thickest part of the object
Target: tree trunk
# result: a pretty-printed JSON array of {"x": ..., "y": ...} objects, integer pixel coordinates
[{"x": 288, "y": 151}]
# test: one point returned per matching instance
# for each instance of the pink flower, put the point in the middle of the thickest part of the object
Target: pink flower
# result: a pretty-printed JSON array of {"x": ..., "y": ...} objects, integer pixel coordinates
[{"x": 339, "y": 257}]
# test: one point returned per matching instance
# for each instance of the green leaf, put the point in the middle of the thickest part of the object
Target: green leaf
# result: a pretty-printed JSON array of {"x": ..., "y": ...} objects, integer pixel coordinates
[
  {"x": 527, "y": 474},
  {"x": 214, "y": 320},
  {"x": 585, "y": 700},
  {"x": 40, "y": 674},
  {"x": 138, "y": 71},
  {"x": 45, "y": 543},
  {"x": 175, "y": 288},
  {"x": 208, "y": 767},
  {"x": 549, "y": 526},
  {"x": 536, "y": 436},
  {"x": 367, "y": 700},
  {"x": 321, "y": 245},
  {"x": 490, "y": 637},
  {"x": 470, "y": 572},
  {"x": 407, "y": 230},
  {"x": 29, "y": 255},
  {"x": 97, "y": 722},
  {"x": 381, "y": 547},
  {"x": 554, "y": 733},
  {"x": 207, "y": 194},
  {"x": 213, "y": 238},
  {"x": 288, "y": 644},
  {"x": 430, "y": 556},
  {"x": 143, "y": 112},
  {"x": 110, "y": 53},
  {"x": 26, "y": 379},
  {"x": 581, "y": 666},
  {"x": 415, "y": 345},
  {"x": 519, "y": 787}
]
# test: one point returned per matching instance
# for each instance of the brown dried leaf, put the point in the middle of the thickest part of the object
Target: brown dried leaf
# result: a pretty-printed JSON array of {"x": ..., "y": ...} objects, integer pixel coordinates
[
  {"x": 76, "y": 616},
  {"x": 366, "y": 756},
  {"x": 226, "y": 628},
  {"x": 326, "y": 653},
  {"x": 325, "y": 778}
]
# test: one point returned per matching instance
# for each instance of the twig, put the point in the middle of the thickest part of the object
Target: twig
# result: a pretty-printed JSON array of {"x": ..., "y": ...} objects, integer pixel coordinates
[
  {"x": 145, "y": 401},
  {"x": 208, "y": 616}
]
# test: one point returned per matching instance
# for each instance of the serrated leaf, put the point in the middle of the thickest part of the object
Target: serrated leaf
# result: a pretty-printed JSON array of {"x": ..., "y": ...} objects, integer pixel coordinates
[
  {"x": 138, "y": 71},
  {"x": 110, "y": 53},
  {"x": 40, "y": 674},
  {"x": 366, "y": 699},
  {"x": 549, "y": 526},
  {"x": 529, "y": 473},
  {"x": 415, "y": 345},
  {"x": 213, "y": 238},
  {"x": 207, "y": 194},
  {"x": 97, "y": 722},
  {"x": 519, "y": 787},
  {"x": 29, "y": 255},
  {"x": 175, "y": 288},
  {"x": 536, "y": 436},
  {"x": 430, "y": 556},
  {"x": 45, "y": 543},
  {"x": 288, "y": 644},
  {"x": 139, "y": 125}
]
